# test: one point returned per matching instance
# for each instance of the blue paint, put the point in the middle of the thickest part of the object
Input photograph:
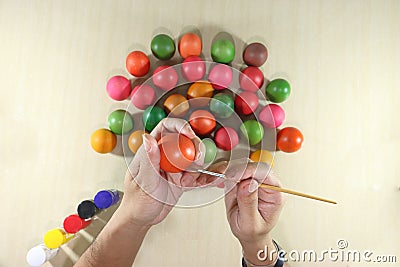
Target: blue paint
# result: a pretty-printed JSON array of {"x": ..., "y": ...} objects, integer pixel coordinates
[{"x": 106, "y": 198}]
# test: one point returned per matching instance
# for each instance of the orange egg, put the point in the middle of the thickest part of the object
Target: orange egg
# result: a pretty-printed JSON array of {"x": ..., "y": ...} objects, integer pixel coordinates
[
  {"x": 201, "y": 93},
  {"x": 135, "y": 140},
  {"x": 189, "y": 45},
  {"x": 177, "y": 152},
  {"x": 262, "y": 156},
  {"x": 177, "y": 105},
  {"x": 103, "y": 141}
]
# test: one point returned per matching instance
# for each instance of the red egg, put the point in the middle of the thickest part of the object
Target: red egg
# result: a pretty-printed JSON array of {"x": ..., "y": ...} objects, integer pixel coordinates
[
  {"x": 246, "y": 103},
  {"x": 289, "y": 139},
  {"x": 142, "y": 96},
  {"x": 193, "y": 68},
  {"x": 177, "y": 152},
  {"x": 165, "y": 77},
  {"x": 226, "y": 138},
  {"x": 137, "y": 63},
  {"x": 251, "y": 79},
  {"x": 202, "y": 122}
]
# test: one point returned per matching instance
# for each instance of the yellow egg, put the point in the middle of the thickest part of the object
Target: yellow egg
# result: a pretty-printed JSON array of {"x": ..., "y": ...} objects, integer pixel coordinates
[
  {"x": 103, "y": 141},
  {"x": 262, "y": 156}
]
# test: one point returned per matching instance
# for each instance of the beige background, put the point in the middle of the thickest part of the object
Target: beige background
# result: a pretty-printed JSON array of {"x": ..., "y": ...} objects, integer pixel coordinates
[{"x": 341, "y": 57}]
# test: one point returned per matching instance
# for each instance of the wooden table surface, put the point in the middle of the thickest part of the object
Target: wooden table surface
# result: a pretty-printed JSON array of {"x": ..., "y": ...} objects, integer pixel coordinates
[{"x": 341, "y": 57}]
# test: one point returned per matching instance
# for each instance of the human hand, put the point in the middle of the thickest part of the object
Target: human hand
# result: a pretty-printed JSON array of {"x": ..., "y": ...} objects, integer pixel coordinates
[
  {"x": 252, "y": 211},
  {"x": 149, "y": 192}
]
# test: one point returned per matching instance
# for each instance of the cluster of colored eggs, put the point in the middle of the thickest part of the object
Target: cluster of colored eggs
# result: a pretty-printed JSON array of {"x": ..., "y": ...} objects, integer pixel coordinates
[
  {"x": 72, "y": 224},
  {"x": 211, "y": 102}
]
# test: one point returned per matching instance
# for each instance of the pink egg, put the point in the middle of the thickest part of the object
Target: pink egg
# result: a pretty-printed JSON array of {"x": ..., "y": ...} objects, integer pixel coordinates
[
  {"x": 272, "y": 116},
  {"x": 118, "y": 88},
  {"x": 142, "y": 96},
  {"x": 226, "y": 138},
  {"x": 193, "y": 68},
  {"x": 251, "y": 79},
  {"x": 220, "y": 76},
  {"x": 246, "y": 103},
  {"x": 165, "y": 77}
]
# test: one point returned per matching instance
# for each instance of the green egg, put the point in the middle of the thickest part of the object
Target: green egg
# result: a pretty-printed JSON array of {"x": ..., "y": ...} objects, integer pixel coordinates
[
  {"x": 222, "y": 105},
  {"x": 278, "y": 90},
  {"x": 253, "y": 131},
  {"x": 223, "y": 51},
  {"x": 211, "y": 150},
  {"x": 163, "y": 47},
  {"x": 120, "y": 122},
  {"x": 152, "y": 116}
]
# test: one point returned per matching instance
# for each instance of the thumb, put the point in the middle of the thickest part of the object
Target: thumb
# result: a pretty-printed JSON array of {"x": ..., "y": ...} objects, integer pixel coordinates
[
  {"x": 151, "y": 160},
  {"x": 148, "y": 160},
  {"x": 247, "y": 198}
]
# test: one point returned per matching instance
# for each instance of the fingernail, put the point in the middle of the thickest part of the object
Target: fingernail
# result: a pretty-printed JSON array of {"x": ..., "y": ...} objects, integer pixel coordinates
[
  {"x": 198, "y": 156},
  {"x": 198, "y": 140},
  {"x": 146, "y": 143},
  {"x": 189, "y": 131},
  {"x": 253, "y": 186},
  {"x": 192, "y": 132}
]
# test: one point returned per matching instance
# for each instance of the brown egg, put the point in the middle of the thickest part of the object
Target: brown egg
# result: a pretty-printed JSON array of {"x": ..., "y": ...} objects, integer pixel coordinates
[
  {"x": 255, "y": 54},
  {"x": 135, "y": 140},
  {"x": 176, "y": 105},
  {"x": 200, "y": 93}
]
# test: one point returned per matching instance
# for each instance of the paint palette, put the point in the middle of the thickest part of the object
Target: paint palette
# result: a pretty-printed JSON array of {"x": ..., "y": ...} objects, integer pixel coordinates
[{"x": 87, "y": 211}]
